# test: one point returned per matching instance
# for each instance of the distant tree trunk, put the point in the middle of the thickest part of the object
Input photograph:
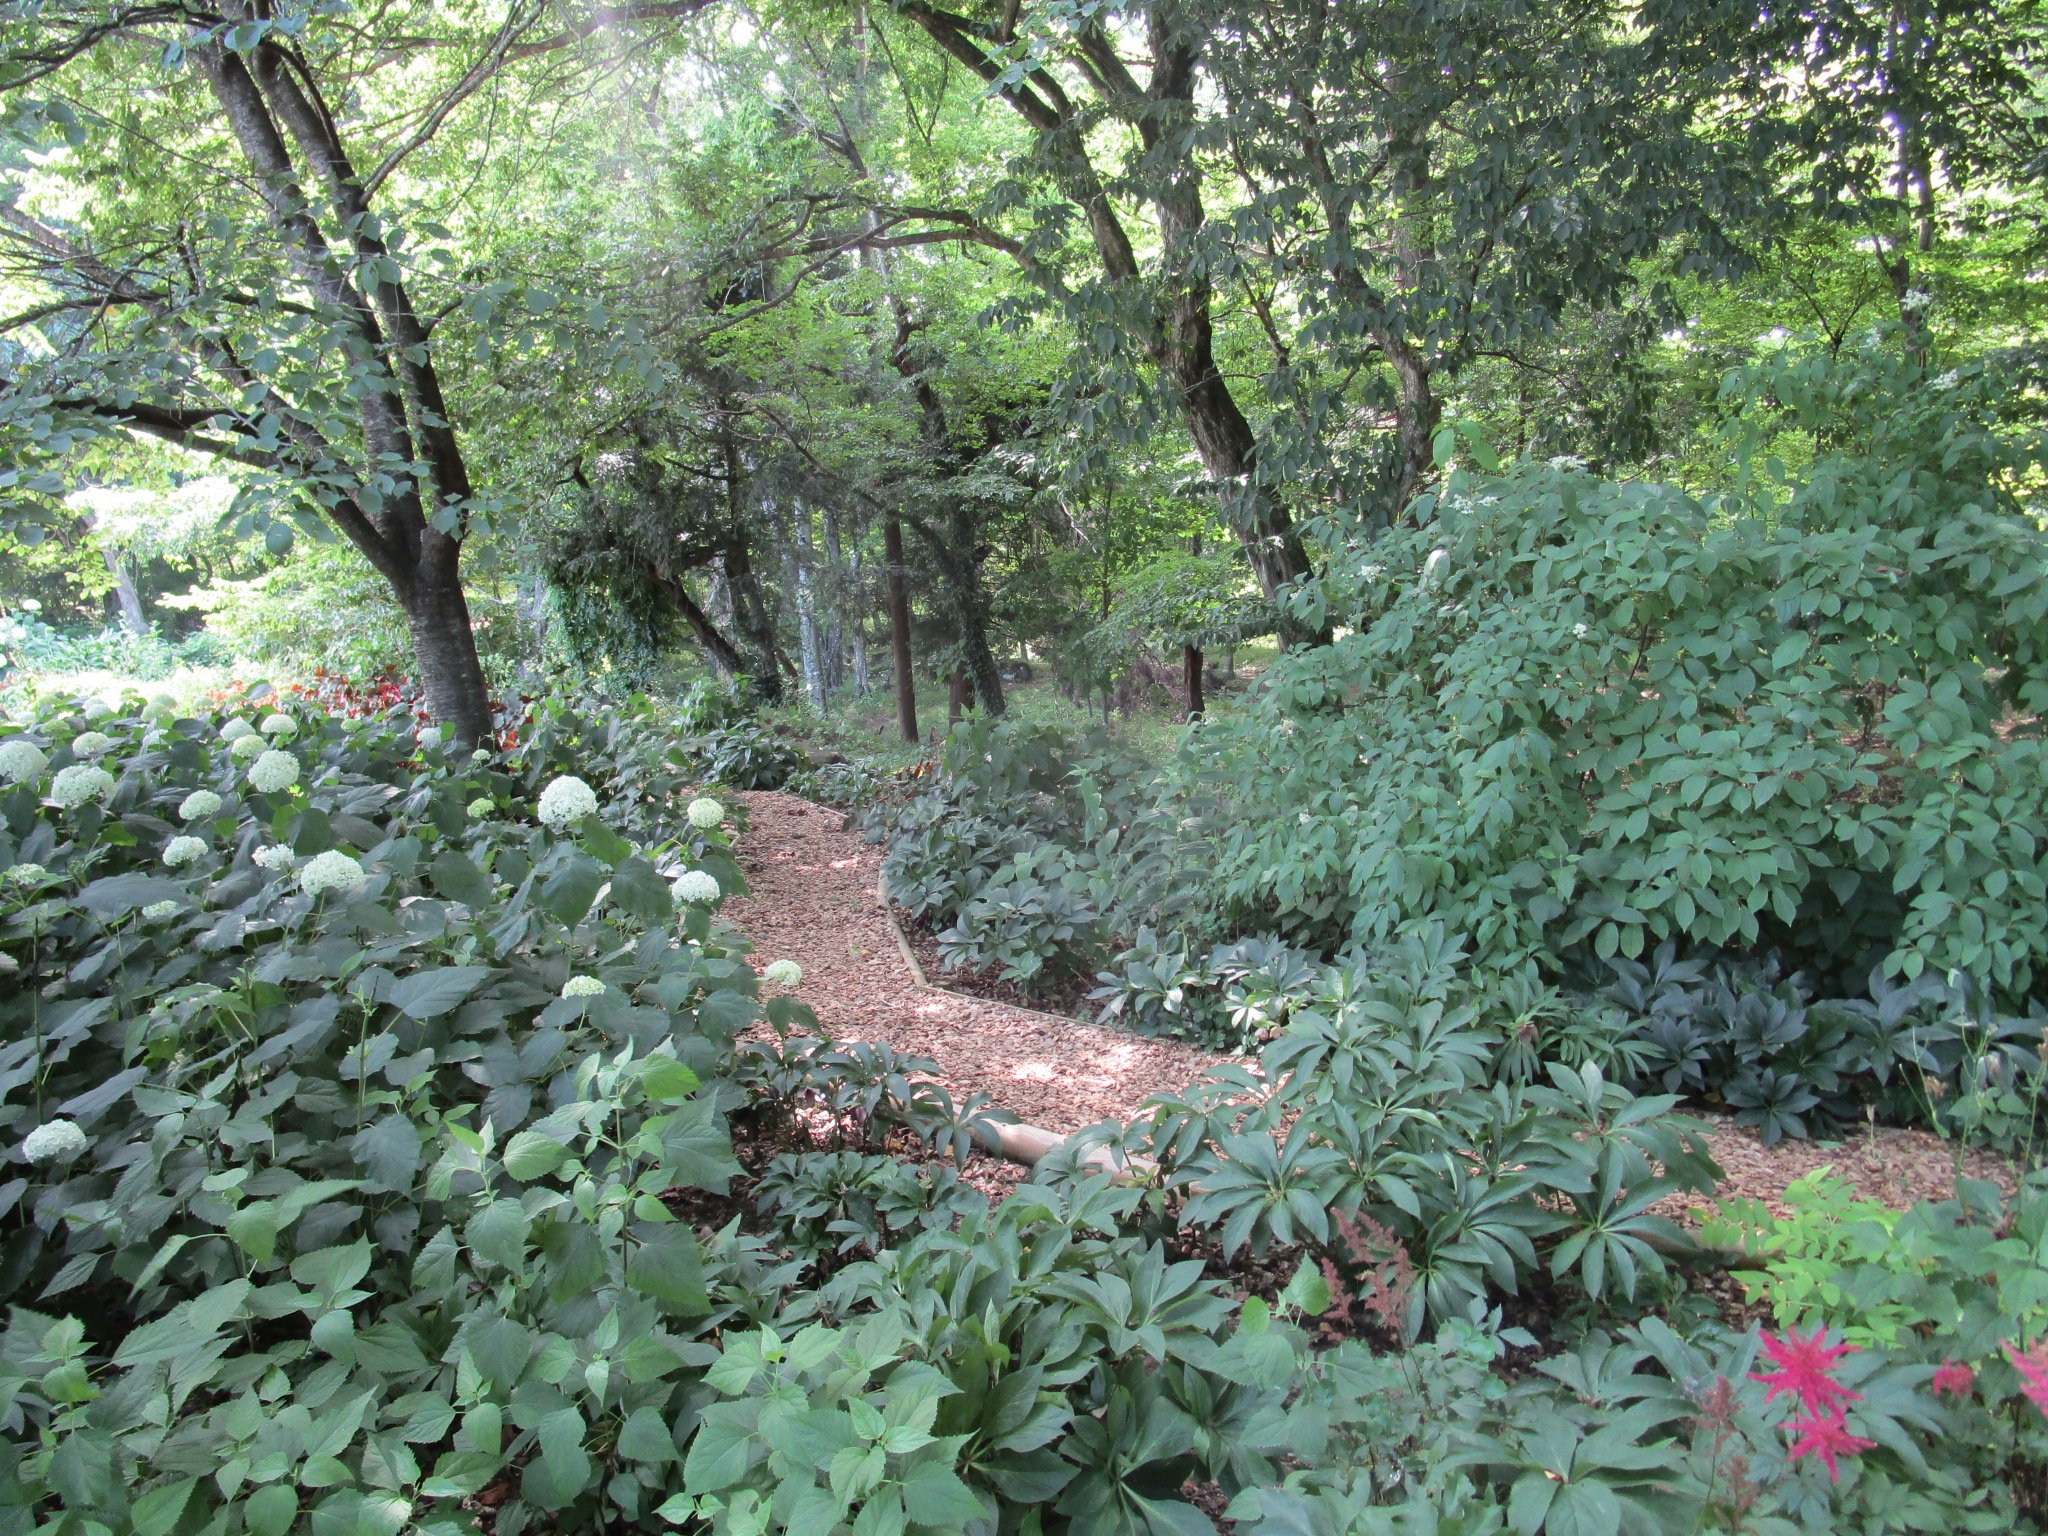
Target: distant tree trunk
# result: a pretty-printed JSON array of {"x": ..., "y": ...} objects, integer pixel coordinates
[
  {"x": 725, "y": 657},
  {"x": 803, "y": 583},
  {"x": 1191, "y": 655},
  {"x": 832, "y": 643},
  {"x": 899, "y": 630},
  {"x": 956, "y": 697},
  {"x": 125, "y": 593}
]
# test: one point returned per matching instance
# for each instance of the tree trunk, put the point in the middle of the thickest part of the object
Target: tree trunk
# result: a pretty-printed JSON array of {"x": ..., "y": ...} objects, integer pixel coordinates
[
  {"x": 1191, "y": 677},
  {"x": 125, "y": 593},
  {"x": 437, "y": 614},
  {"x": 899, "y": 630},
  {"x": 957, "y": 695},
  {"x": 726, "y": 659}
]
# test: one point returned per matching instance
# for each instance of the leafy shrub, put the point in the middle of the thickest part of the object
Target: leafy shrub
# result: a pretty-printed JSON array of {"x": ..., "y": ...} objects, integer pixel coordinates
[
  {"x": 366, "y": 1209},
  {"x": 1028, "y": 921},
  {"x": 1234, "y": 997},
  {"x": 28, "y": 644},
  {"x": 1563, "y": 711}
]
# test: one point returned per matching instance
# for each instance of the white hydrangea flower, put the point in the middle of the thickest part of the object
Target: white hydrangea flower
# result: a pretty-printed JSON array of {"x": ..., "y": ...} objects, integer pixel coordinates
[
  {"x": 784, "y": 973},
  {"x": 235, "y": 729},
  {"x": 54, "y": 1141},
  {"x": 92, "y": 744},
  {"x": 480, "y": 755},
  {"x": 566, "y": 801},
  {"x": 1580, "y": 631},
  {"x": 1947, "y": 380},
  {"x": 81, "y": 782},
  {"x": 161, "y": 706},
  {"x": 1436, "y": 567},
  {"x": 21, "y": 761},
  {"x": 274, "y": 771},
  {"x": 705, "y": 813},
  {"x": 199, "y": 805},
  {"x": 247, "y": 746},
  {"x": 583, "y": 986},
  {"x": 25, "y": 873},
  {"x": 158, "y": 911},
  {"x": 94, "y": 709},
  {"x": 695, "y": 885},
  {"x": 1373, "y": 572},
  {"x": 482, "y": 806},
  {"x": 1567, "y": 461},
  {"x": 274, "y": 856},
  {"x": 331, "y": 871},
  {"x": 428, "y": 737},
  {"x": 180, "y": 851},
  {"x": 280, "y": 725}
]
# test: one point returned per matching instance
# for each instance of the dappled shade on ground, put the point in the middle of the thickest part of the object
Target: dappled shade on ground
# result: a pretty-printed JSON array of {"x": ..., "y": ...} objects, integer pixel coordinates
[{"x": 813, "y": 901}]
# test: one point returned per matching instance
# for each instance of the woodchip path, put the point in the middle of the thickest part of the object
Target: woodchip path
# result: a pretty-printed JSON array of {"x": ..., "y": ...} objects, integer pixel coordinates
[{"x": 813, "y": 900}]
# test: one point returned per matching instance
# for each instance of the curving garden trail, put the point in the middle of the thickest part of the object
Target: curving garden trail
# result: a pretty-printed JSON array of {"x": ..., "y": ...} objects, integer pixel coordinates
[{"x": 813, "y": 900}]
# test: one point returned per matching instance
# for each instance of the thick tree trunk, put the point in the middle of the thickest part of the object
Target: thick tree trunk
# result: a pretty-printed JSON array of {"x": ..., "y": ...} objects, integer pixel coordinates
[
  {"x": 725, "y": 656},
  {"x": 1191, "y": 679},
  {"x": 444, "y": 644},
  {"x": 957, "y": 694},
  {"x": 899, "y": 630}
]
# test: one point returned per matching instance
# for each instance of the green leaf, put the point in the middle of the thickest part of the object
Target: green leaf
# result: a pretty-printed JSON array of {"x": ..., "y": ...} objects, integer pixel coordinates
[
  {"x": 668, "y": 1267},
  {"x": 456, "y": 876},
  {"x": 722, "y": 1448},
  {"x": 270, "y": 1511},
  {"x": 568, "y": 892},
  {"x": 638, "y": 888},
  {"x": 934, "y": 1495},
  {"x": 390, "y": 1151},
  {"x": 429, "y": 994},
  {"x": 532, "y": 1154},
  {"x": 253, "y": 1229}
]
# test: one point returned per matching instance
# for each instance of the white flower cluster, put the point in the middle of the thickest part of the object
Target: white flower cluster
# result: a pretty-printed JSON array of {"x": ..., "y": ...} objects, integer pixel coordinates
[
  {"x": 1946, "y": 381},
  {"x": 1436, "y": 567},
  {"x": 199, "y": 805},
  {"x": 54, "y": 1141},
  {"x": 705, "y": 813},
  {"x": 1580, "y": 631},
  {"x": 274, "y": 771},
  {"x": 92, "y": 744},
  {"x": 161, "y": 706},
  {"x": 428, "y": 737},
  {"x": 582, "y": 986},
  {"x": 784, "y": 973},
  {"x": 274, "y": 857},
  {"x": 1567, "y": 461},
  {"x": 235, "y": 729},
  {"x": 331, "y": 871},
  {"x": 694, "y": 885},
  {"x": 566, "y": 801},
  {"x": 158, "y": 911},
  {"x": 480, "y": 755},
  {"x": 280, "y": 725},
  {"x": 81, "y": 782},
  {"x": 482, "y": 806},
  {"x": 25, "y": 873},
  {"x": 248, "y": 745},
  {"x": 95, "y": 709},
  {"x": 180, "y": 851},
  {"x": 21, "y": 761}
]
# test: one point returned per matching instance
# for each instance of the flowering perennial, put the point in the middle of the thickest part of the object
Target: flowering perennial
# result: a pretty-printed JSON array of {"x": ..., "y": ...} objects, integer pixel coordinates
[
  {"x": 482, "y": 806},
  {"x": 280, "y": 725},
  {"x": 21, "y": 761},
  {"x": 248, "y": 745},
  {"x": 157, "y": 911},
  {"x": 695, "y": 885},
  {"x": 274, "y": 856},
  {"x": 1805, "y": 1370},
  {"x": 331, "y": 871},
  {"x": 235, "y": 729},
  {"x": 26, "y": 873},
  {"x": 566, "y": 801},
  {"x": 274, "y": 771},
  {"x": 92, "y": 744},
  {"x": 705, "y": 813},
  {"x": 79, "y": 783},
  {"x": 199, "y": 805},
  {"x": 582, "y": 986},
  {"x": 2032, "y": 1364},
  {"x": 180, "y": 851},
  {"x": 54, "y": 1141},
  {"x": 784, "y": 973},
  {"x": 1953, "y": 1379}
]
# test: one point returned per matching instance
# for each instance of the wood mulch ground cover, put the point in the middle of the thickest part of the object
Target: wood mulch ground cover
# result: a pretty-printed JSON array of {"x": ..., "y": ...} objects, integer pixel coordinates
[{"x": 813, "y": 900}]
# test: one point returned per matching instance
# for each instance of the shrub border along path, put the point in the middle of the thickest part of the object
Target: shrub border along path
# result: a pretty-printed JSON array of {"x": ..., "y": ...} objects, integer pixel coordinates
[{"x": 815, "y": 899}]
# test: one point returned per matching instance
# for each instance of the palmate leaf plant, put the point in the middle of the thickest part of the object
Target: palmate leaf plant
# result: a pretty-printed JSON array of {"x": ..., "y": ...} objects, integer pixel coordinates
[{"x": 363, "y": 1210}]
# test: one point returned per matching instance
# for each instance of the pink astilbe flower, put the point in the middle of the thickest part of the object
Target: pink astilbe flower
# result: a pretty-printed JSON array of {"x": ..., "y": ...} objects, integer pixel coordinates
[
  {"x": 1805, "y": 1369},
  {"x": 1954, "y": 1379},
  {"x": 2032, "y": 1364},
  {"x": 1826, "y": 1435}
]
